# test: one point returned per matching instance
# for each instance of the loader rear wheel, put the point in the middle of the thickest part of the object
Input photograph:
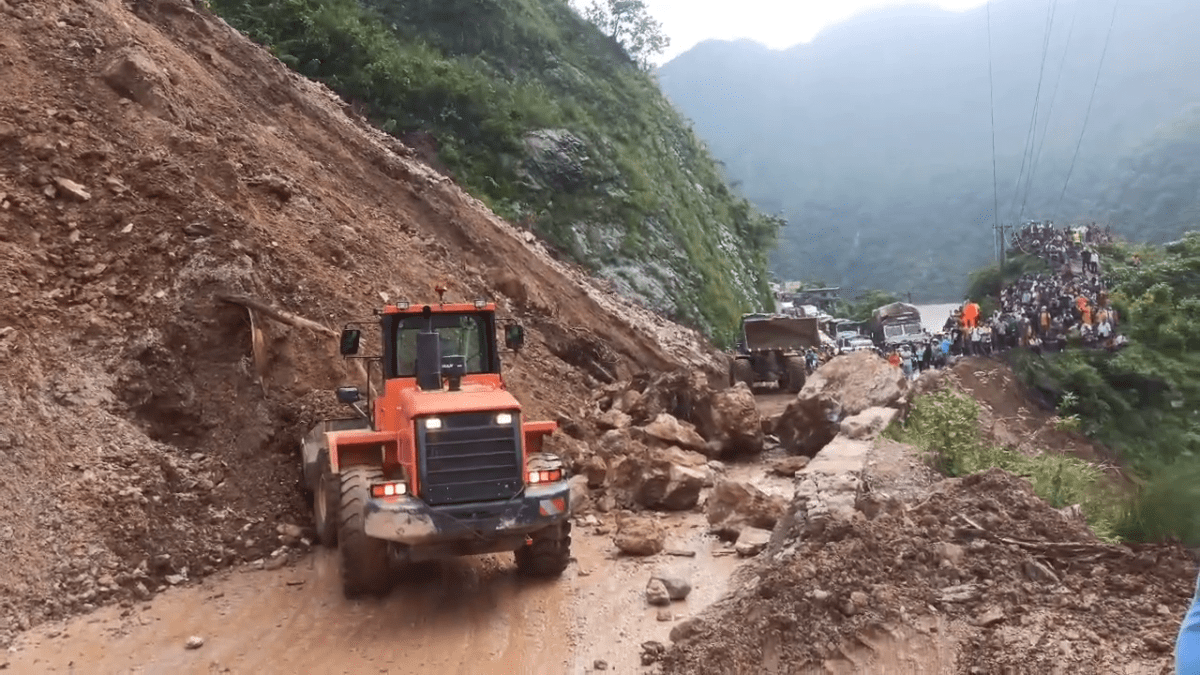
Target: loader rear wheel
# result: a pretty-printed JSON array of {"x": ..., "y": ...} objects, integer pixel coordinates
[
  {"x": 741, "y": 370},
  {"x": 797, "y": 372},
  {"x": 364, "y": 560},
  {"x": 326, "y": 502},
  {"x": 548, "y": 555}
]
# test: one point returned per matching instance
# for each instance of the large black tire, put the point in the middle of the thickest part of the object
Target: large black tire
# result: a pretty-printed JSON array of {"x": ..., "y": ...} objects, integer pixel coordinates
[
  {"x": 797, "y": 372},
  {"x": 326, "y": 504},
  {"x": 548, "y": 555},
  {"x": 364, "y": 560},
  {"x": 741, "y": 370}
]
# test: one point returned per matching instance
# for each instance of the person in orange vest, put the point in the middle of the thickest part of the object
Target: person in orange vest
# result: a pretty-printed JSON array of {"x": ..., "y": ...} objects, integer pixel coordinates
[
  {"x": 970, "y": 314},
  {"x": 894, "y": 358}
]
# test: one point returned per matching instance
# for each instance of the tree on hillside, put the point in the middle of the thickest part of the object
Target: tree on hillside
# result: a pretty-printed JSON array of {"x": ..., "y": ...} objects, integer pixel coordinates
[{"x": 630, "y": 25}]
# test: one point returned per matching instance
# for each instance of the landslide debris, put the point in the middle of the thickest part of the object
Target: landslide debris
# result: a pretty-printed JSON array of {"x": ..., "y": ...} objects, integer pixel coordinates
[
  {"x": 978, "y": 576},
  {"x": 151, "y": 162}
]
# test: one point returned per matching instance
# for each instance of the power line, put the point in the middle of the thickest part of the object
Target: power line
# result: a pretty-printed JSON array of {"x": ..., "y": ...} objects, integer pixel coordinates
[
  {"x": 1050, "y": 111},
  {"x": 1088, "y": 114},
  {"x": 992, "y": 101},
  {"x": 1027, "y": 150}
]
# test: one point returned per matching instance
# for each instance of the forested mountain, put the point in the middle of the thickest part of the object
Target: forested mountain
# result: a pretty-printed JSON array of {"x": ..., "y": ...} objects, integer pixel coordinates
[
  {"x": 875, "y": 139},
  {"x": 535, "y": 111}
]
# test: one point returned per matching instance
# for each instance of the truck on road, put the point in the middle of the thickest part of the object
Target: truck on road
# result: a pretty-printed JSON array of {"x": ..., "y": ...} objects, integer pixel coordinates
[
  {"x": 896, "y": 325},
  {"x": 771, "y": 348},
  {"x": 442, "y": 462}
]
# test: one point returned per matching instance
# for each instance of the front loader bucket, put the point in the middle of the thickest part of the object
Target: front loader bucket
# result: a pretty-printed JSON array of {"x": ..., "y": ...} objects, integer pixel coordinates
[{"x": 782, "y": 333}]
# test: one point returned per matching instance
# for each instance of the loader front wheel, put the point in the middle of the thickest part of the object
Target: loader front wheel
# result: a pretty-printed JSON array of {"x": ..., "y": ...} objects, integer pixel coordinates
[
  {"x": 326, "y": 503},
  {"x": 364, "y": 560},
  {"x": 549, "y": 553}
]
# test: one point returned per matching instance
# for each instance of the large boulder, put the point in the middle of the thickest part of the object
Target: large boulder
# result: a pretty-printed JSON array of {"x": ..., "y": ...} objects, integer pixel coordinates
[
  {"x": 668, "y": 429},
  {"x": 869, "y": 423},
  {"x": 639, "y": 535},
  {"x": 844, "y": 387},
  {"x": 857, "y": 381},
  {"x": 730, "y": 421},
  {"x": 659, "y": 478},
  {"x": 734, "y": 506},
  {"x": 808, "y": 423}
]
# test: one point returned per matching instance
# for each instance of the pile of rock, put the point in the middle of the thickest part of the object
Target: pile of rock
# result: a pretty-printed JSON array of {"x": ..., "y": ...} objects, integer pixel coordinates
[{"x": 652, "y": 443}]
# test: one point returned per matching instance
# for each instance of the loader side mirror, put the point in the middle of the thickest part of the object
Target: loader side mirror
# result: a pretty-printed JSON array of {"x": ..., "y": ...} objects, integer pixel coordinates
[
  {"x": 514, "y": 337},
  {"x": 349, "y": 342},
  {"x": 348, "y": 395}
]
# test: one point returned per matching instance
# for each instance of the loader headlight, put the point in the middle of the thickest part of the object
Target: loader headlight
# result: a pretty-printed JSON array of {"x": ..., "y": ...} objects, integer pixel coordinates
[
  {"x": 393, "y": 489},
  {"x": 433, "y": 423},
  {"x": 504, "y": 419}
]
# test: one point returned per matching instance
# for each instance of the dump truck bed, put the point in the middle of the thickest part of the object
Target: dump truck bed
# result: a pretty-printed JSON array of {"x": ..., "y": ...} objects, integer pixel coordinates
[{"x": 782, "y": 333}]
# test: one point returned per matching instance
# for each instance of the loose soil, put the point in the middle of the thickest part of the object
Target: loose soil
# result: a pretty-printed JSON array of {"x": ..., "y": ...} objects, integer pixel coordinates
[{"x": 142, "y": 445}]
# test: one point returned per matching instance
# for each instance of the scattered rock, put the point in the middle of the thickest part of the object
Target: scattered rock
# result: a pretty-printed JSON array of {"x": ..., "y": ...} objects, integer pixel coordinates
[
  {"x": 656, "y": 593},
  {"x": 652, "y": 651},
  {"x": 733, "y": 506},
  {"x": 752, "y": 541},
  {"x": 676, "y": 584},
  {"x": 613, "y": 419},
  {"x": 688, "y": 629},
  {"x": 194, "y": 642},
  {"x": 639, "y": 535},
  {"x": 599, "y": 664},
  {"x": 665, "y": 614},
  {"x": 869, "y": 423},
  {"x": 134, "y": 75},
  {"x": 72, "y": 189},
  {"x": 787, "y": 466}
]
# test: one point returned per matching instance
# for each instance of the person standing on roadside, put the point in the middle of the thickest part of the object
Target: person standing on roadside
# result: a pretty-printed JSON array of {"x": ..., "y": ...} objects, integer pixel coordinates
[{"x": 1187, "y": 645}]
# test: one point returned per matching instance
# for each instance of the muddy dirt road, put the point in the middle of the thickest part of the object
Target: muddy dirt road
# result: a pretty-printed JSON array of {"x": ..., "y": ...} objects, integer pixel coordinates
[{"x": 469, "y": 616}]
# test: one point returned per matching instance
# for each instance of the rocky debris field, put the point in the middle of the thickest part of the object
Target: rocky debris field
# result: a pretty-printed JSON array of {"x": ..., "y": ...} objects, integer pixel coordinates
[
  {"x": 151, "y": 161},
  {"x": 878, "y": 565}
]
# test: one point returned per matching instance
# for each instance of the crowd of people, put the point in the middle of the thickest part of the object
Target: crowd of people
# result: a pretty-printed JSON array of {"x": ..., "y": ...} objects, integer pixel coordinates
[
  {"x": 1046, "y": 311},
  {"x": 1042, "y": 312}
]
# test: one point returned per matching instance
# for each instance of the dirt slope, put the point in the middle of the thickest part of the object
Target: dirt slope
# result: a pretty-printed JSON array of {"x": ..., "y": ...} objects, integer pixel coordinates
[{"x": 149, "y": 161}]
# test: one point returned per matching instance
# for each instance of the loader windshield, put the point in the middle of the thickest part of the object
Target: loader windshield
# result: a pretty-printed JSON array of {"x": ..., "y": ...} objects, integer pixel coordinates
[{"x": 465, "y": 335}]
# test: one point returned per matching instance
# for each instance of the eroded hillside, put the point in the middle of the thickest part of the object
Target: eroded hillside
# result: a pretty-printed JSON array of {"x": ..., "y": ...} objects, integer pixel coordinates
[{"x": 151, "y": 161}]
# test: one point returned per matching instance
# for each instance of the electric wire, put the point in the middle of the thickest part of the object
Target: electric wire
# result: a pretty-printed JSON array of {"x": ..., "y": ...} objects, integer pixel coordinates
[
  {"x": 1049, "y": 112},
  {"x": 1027, "y": 149},
  {"x": 997, "y": 232},
  {"x": 1088, "y": 114}
]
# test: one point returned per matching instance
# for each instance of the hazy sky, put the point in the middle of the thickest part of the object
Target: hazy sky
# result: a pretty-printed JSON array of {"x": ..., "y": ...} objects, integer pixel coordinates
[{"x": 775, "y": 23}]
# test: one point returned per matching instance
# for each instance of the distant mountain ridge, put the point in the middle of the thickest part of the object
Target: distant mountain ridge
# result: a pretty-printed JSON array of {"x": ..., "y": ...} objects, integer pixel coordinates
[{"x": 875, "y": 140}]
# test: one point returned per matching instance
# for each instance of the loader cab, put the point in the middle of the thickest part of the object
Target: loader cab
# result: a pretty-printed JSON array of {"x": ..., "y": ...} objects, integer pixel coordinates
[{"x": 452, "y": 342}]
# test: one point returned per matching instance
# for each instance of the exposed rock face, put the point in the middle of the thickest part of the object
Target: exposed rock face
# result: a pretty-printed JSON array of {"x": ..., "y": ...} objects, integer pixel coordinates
[
  {"x": 869, "y": 423},
  {"x": 734, "y": 506},
  {"x": 639, "y": 535}
]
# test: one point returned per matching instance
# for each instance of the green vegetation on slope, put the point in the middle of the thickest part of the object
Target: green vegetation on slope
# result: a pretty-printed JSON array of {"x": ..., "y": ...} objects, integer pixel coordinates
[
  {"x": 945, "y": 426},
  {"x": 547, "y": 120}
]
